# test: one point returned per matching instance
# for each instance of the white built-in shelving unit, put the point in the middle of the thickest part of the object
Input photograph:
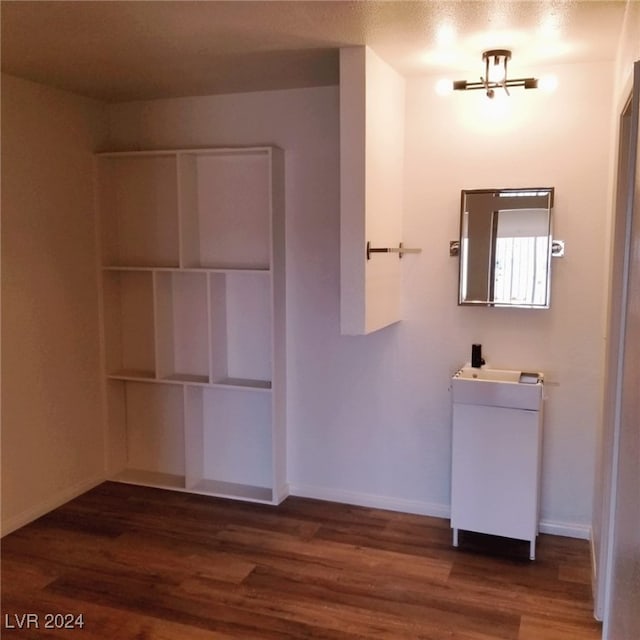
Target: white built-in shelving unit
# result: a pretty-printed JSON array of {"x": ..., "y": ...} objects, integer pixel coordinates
[{"x": 193, "y": 316}]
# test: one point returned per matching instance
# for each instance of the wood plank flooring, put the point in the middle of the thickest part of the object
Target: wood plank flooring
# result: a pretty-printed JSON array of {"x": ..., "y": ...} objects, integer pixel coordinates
[{"x": 150, "y": 564}]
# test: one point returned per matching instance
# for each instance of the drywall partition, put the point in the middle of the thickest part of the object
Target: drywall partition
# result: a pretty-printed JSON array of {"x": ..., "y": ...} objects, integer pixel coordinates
[
  {"x": 621, "y": 615},
  {"x": 371, "y": 182},
  {"x": 52, "y": 436},
  {"x": 606, "y": 458}
]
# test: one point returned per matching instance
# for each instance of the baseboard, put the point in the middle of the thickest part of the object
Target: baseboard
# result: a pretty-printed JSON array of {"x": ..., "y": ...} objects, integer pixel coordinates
[
  {"x": 598, "y": 612},
  {"x": 370, "y": 500},
  {"x": 565, "y": 529},
  {"x": 283, "y": 492},
  {"x": 552, "y": 527},
  {"x": 53, "y": 502}
]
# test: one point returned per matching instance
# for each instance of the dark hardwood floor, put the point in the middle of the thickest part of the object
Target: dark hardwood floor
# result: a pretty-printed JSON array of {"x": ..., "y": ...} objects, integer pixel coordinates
[{"x": 145, "y": 563}]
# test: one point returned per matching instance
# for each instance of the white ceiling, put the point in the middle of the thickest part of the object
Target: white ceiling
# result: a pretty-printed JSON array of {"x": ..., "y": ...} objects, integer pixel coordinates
[{"x": 131, "y": 50}]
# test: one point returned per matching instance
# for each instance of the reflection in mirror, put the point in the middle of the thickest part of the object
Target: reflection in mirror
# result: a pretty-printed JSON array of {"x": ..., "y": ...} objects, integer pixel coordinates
[{"x": 505, "y": 247}]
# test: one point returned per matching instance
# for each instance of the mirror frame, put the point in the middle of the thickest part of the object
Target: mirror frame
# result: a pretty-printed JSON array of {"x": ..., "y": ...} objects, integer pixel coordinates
[{"x": 511, "y": 192}]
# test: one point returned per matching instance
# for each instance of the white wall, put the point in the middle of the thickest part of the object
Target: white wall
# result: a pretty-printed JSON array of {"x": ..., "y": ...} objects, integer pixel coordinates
[
  {"x": 369, "y": 416},
  {"x": 560, "y": 140},
  {"x": 52, "y": 436}
]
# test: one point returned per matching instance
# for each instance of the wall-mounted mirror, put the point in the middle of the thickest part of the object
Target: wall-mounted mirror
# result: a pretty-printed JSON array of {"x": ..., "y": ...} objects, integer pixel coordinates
[{"x": 505, "y": 247}]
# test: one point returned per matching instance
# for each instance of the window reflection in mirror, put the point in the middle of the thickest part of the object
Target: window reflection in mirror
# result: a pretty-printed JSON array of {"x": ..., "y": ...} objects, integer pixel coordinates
[{"x": 505, "y": 247}]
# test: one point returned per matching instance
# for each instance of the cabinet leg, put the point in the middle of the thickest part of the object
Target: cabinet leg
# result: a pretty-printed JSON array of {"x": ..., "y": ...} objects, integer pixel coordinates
[
  {"x": 532, "y": 549},
  {"x": 455, "y": 537}
]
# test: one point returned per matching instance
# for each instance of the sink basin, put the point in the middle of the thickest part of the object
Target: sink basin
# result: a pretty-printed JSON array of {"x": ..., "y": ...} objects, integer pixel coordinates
[
  {"x": 497, "y": 375},
  {"x": 497, "y": 388}
]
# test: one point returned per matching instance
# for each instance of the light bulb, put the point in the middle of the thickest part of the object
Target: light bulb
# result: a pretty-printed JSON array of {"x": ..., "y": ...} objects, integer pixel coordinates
[
  {"x": 444, "y": 87},
  {"x": 496, "y": 71},
  {"x": 548, "y": 83},
  {"x": 445, "y": 35}
]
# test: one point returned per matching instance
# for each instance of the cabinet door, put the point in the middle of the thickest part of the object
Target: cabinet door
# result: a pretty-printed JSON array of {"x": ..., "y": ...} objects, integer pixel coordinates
[
  {"x": 371, "y": 176},
  {"x": 495, "y": 462}
]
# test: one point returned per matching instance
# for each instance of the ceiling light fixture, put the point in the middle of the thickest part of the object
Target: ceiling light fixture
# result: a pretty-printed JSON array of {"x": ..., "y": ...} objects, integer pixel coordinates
[{"x": 495, "y": 75}]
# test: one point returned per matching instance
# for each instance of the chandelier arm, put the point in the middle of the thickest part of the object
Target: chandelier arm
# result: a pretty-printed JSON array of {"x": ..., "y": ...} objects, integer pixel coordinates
[
  {"x": 486, "y": 73},
  {"x": 485, "y": 83},
  {"x": 527, "y": 83}
]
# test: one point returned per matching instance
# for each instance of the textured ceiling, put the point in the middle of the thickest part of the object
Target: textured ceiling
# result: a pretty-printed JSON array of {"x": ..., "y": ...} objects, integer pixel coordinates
[{"x": 131, "y": 50}]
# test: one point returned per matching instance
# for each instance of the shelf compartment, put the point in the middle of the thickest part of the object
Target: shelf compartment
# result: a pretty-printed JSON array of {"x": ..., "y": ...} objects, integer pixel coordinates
[
  {"x": 152, "y": 423},
  {"x": 182, "y": 334},
  {"x": 138, "y": 202},
  {"x": 225, "y": 205},
  {"x": 228, "y": 443},
  {"x": 241, "y": 336},
  {"x": 233, "y": 490},
  {"x": 129, "y": 324}
]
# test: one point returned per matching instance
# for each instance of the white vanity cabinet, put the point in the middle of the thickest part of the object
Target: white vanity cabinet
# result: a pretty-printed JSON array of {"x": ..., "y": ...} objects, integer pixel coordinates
[
  {"x": 496, "y": 457},
  {"x": 193, "y": 305}
]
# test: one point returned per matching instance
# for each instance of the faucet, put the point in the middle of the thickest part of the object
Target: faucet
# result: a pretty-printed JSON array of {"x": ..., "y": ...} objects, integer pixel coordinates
[{"x": 476, "y": 356}]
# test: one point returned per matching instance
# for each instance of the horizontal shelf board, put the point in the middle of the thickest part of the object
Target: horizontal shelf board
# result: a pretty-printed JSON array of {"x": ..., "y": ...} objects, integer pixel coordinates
[
  {"x": 186, "y": 377},
  {"x": 192, "y": 379},
  {"x": 151, "y": 479},
  {"x": 243, "y": 383},
  {"x": 227, "y": 151},
  {"x": 266, "y": 269},
  {"x": 223, "y": 268},
  {"x": 208, "y": 487},
  {"x": 221, "y": 151},
  {"x": 232, "y": 490},
  {"x": 141, "y": 267},
  {"x": 132, "y": 374},
  {"x": 261, "y": 270},
  {"x": 130, "y": 154}
]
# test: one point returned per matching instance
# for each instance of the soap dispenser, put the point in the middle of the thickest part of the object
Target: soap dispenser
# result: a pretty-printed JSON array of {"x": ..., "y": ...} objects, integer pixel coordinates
[{"x": 476, "y": 356}]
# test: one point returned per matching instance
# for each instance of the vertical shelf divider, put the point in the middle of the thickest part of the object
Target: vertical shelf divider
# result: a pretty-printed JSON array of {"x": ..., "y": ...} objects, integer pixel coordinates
[
  {"x": 164, "y": 323},
  {"x": 193, "y": 435},
  {"x": 218, "y": 326},
  {"x": 188, "y": 211},
  {"x": 117, "y": 426},
  {"x": 278, "y": 324}
]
